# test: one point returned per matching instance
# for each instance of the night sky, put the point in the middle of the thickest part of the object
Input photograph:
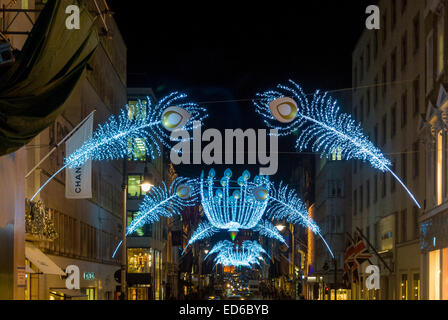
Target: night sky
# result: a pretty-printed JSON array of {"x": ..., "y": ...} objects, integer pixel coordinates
[{"x": 216, "y": 51}]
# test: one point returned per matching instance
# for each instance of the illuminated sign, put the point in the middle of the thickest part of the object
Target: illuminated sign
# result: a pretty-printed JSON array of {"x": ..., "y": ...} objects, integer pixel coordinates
[{"x": 88, "y": 275}]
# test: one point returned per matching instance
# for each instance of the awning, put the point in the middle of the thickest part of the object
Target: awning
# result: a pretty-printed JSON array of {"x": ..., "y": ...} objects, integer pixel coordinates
[
  {"x": 74, "y": 293},
  {"x": 42, "y": 261}
]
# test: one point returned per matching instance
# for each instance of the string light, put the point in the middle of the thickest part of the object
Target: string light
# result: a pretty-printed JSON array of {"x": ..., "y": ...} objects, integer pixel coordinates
[
  {"x": 322, "y": 126},
  {"x": 230, "y": 254}
]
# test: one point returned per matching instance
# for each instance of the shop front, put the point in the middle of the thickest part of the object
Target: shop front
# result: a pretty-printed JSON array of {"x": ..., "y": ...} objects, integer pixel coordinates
[{"x": 434, "y": 246}]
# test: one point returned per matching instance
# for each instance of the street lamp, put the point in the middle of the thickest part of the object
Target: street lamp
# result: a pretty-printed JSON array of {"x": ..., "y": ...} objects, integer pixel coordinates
[
  {"x": 147, "y": 179},
  {"x": 280, "y": 227}
]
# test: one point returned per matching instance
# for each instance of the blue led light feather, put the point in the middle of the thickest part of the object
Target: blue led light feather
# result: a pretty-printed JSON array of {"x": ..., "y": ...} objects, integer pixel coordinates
[
  {"x": 267, "y": 229},
  {"x": 110, "y": 140},
  {"x": 162, "y": 201},
  {"x": 322, "y": 126},
  {"x": 249, "y": 254},
  {"x": 203, "y": 231},
  {"x": 149, "y": 123}
]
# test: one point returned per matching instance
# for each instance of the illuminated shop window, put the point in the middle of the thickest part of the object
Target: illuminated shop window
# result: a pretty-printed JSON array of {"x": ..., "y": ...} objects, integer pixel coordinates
[
  {"x": 337, "y": 155},
  {"x": 143, "y": 231},
  {"x": 140, "y": 260},
  {"x": 416, "y": 286},
  {"x": 404, "y": 287},
  {"x": 136, "y": 110},
  {"x": 434, "y": 275},
  {"x": 137, "y": 149},
  {"x": 91, "y": 293},
  {"x": 134, "y": 189},
  {"x": 445, "y": 274},
  {"x": 439, "y": 167}
]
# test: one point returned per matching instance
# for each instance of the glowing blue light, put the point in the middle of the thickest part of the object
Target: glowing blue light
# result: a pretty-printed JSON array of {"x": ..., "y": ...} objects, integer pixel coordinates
[
  {"x": 161, "y": 201},
  {"x": 203, "y": 231},
  {"x": 231, "y": 205},
  {"x": 230, "y": 254},
  {"x": 119, "y": 135},
  {"x": 110, "y": 140},
  {"x": 323, "y": 127},
  {"x": 267, "y": 229}
]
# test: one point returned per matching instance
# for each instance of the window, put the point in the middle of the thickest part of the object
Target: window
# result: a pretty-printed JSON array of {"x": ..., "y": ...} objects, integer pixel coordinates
[
  {"x": 404, "y": 109},
  {"x": 375, "y": 96},
  {"x": 415, "y": 226},
  {"x": 416, "y": 27},
  {"x": 415, "y": 154},
  {"x": 429, "y": 62},
  {"x": 384, "y": 185},
  {"x": 137, "y": 149},
  {"x": 361, "y": 111},
  {"x": 404, "y": 287},
  {"x": 439, "y": 159},
  {"x": 355, "y": 203},
  {"x": 404, "y": 226},
  {"x": 375, "y": 189},
  {"x": 143, "y": 231},
  {"x": 337, "y": 154},
  {"x": 375, "y": 45},
  {"x": 416, "y": 286},
  {"x": 375, "y": 134},
  {"x": 393, "y": 184},
  {"x": 355, "y": 77},
  {"x": 361, "y": 67},
  {"x": 404, "y": 166},
  {"x": 393, "y": 65},
  {"x": 404, "y": 50},
  {"x": 416, "y": 94},
  {"x": 404, "y": 4},
  {"x": 440, "y": 45},
  {"x": 393, "y": 121},
  {"x": 393, "y": 15},
  {"x": 434, "y": 275},
  {"x": 384, "y": 84},
  {"x": 368, "y": 102},
  {"x": 368, "y": 193},
  {"x": 445, "y": 274},
  {"x": 384, "y": 28},
  {"x": 384, "y": 137},
  {"x": 140, "y": 260},
  {"x": 134, "y": 189},
  {"x": 368, "y": 55},
  {"x": 361, "y": 199}
]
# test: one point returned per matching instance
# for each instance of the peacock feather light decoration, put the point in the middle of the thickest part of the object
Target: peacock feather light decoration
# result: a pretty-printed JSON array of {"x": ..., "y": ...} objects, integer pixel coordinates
[
  {"x": 163, "y": 201},
  {"x": 234, "y": 205},
  {"x": 321, "y": 125},
  {"x": 249, "y": 254},
  {"x": 149, "y": 122}
]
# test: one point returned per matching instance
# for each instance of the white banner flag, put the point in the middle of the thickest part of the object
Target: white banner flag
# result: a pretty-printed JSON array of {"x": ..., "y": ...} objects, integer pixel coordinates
[{"x": 78, "y": 181}]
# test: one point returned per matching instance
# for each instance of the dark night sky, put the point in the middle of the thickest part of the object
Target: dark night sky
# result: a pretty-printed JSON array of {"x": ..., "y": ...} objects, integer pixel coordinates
[{"x": 226, "y": 51}]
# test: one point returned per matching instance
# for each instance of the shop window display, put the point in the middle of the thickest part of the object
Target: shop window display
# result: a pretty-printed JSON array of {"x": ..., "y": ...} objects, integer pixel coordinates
[{"x": 140, "y": 260}]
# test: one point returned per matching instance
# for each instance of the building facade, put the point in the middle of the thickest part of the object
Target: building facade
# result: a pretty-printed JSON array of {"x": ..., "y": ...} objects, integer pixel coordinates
[
  {"x": 388, "y": 100},
  {"x": 86, "y": 231},
  {"x": 433, "y": 134}
]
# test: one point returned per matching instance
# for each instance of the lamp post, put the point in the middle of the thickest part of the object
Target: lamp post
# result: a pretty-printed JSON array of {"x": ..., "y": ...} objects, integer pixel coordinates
[
  {"x": 281, "y": 227},
  {"x": 124, "y": 187}
]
